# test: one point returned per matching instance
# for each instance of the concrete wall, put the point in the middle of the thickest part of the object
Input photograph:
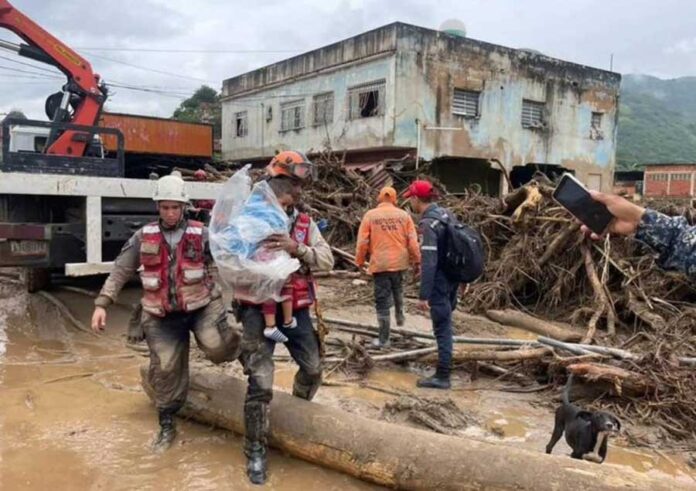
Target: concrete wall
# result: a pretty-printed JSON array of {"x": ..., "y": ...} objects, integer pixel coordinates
[
  {"x": 430, "y": 67},
  {"x": 264, "y": 137},
  {"x": 422, "y": 68}
]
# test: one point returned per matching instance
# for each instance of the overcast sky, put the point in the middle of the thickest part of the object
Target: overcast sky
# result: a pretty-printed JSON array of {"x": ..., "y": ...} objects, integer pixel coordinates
[{"x": 649, "y": 37}]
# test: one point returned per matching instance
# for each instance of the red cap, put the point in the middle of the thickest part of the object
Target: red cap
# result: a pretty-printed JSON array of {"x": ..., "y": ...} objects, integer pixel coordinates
[{"x": 420, "y": 189}]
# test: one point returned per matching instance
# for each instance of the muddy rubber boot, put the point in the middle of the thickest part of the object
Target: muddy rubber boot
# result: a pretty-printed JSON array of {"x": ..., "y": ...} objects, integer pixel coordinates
[
  {"x": 384, "y": 328},
  {"x": 256, "y": 428},
  {"x": 438, "y": 381},
  {"x": 400, "y": 318},
  {"x": 167, "y": 432}
]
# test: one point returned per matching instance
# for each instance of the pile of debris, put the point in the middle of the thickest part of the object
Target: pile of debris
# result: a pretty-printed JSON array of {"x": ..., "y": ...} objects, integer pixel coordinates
[
  {"x": 539, "y": 262},
  {"x": 637, "y": 322}
]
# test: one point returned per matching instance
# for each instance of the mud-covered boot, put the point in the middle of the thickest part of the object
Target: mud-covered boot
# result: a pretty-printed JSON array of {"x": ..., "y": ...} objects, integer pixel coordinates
[
  {"x": 399, "y": 312},
  {"x": 384, "y": 328},
  {"x": 255, "y": 445},
  {"x": 400, "y": 318},
  {"x": 167, "y": 432},
  {"x": 441, "y": 380}
]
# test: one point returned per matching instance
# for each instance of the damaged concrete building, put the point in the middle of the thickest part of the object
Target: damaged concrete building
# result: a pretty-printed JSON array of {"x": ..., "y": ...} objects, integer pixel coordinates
[{"x": 402, "y": 90}]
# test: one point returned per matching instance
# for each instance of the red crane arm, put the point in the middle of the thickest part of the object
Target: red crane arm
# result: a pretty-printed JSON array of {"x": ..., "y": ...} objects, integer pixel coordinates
[{"x": 47, "y": 48}]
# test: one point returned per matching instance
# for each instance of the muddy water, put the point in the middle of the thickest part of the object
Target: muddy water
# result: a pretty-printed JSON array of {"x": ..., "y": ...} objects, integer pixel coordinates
[
  {"x": 504, "y": 418},
  {"x": 72, "y": 415}
]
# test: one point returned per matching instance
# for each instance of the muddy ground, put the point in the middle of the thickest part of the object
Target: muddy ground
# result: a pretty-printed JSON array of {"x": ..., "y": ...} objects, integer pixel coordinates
[{"x": 73, "y": 415}]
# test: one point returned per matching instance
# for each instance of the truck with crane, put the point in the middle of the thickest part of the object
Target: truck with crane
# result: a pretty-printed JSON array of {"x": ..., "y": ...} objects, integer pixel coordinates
[{"x": 74, "y": 188}]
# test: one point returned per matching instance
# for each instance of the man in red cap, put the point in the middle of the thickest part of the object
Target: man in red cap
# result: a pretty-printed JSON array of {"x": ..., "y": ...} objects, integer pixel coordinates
[{"x": 437, "y": 293}]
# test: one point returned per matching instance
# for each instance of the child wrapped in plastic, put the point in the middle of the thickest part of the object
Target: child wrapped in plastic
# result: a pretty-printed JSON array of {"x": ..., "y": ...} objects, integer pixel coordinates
[{"x": 243, "y": 217}]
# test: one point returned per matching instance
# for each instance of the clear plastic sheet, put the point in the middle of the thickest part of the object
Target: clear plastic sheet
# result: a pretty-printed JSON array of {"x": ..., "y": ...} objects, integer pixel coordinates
[{"x": 243, "y": 217}]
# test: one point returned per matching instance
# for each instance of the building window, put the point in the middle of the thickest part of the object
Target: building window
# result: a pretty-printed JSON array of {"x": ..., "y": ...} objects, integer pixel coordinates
[
  {"x": 292, "y": 115},
  {"x": 323, "y": 109},
  {"x": 466, "y": 103},
  {"x": 367, "y": 100},
  {"x": 681, "y": 177},
  {"x": 533, "y": 114},
  {"x": 240, "y": 124},
  {"x": 596, "y": 132},
  {"x": 658, "y": 176}
]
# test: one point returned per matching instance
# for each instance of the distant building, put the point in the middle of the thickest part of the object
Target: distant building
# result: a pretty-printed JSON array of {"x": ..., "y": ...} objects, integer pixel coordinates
[
  {"x": 670, "y": 180},
  {"x": 629, "y": 183},
  {"x": 402, "y": 90}
]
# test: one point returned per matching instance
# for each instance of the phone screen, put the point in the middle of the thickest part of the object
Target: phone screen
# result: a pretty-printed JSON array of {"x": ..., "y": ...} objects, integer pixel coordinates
[{"x": 577, "y": 200}]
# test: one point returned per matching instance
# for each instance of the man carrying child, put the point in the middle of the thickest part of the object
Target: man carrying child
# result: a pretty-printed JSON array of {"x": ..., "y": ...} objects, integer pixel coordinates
[{"x": 288, "y": 321}]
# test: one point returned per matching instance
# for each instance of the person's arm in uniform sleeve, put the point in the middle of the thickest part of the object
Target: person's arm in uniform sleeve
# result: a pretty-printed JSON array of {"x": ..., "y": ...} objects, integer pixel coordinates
[
  {"x": 672, "y": 238},
  {"x": 429, "y": 255},
  {"x": 125, "y": 265},
  {"x": 317, "y": 255},
  {"x": 362, "y": 248},
  {"x": 412, "y": 241}
]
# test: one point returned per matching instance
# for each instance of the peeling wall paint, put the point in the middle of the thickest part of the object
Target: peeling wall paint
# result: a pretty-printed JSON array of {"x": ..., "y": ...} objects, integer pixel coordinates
[{"x": 422, "y": 68}]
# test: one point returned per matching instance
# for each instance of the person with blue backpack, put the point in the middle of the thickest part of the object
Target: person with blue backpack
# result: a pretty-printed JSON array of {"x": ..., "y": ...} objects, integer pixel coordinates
[{"x": 451, "y": 254}]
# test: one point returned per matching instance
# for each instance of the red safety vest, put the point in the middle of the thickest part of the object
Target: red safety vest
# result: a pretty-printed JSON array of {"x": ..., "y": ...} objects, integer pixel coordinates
[
  {"x": 193, "y": 284},
  {"x": 303, "y": 287}
]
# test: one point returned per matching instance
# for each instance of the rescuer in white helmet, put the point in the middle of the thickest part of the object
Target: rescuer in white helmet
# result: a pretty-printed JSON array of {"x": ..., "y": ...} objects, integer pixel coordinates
[{"x": 179, "y": 296}]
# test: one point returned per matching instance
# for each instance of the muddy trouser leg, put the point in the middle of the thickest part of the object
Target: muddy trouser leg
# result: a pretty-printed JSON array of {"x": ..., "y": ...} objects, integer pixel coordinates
[
  {"x": 257, "y": 360},
  {"x": 135, "y": 325},
  {"x": 168, "y": 340},
  {"x": 441, "y": 314},
  {"x": 383, "y": 302},
  {"x": 397, "y": 282},
  {"x": 215, "y": 337},
  {"x": 304, "y": 349}
]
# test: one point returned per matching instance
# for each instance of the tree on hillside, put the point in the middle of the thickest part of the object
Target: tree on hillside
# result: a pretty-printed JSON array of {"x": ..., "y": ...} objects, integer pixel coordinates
[{"x": 202, "y": 107}]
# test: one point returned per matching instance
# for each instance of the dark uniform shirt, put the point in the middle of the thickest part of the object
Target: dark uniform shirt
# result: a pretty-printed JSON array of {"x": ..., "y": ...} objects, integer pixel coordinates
[{"x": 672, "y": 238}]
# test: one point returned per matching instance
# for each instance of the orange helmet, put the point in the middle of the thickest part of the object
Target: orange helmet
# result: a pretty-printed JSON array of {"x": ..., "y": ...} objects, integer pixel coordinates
[{"x": 292, "y": 164}]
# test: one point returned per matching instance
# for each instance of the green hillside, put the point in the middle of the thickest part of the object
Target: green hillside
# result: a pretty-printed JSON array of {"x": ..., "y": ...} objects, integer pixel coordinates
[{"x": 657, "y": 120}]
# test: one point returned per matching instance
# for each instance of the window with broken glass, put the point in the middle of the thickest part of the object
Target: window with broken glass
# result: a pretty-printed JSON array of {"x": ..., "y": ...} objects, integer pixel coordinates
[
  {"x": 366, "y": 100},
  {"x": 292, "y": 115},
  {"x": 596, "y": 132},
  {"x": 323, "y": 109},
  {"x": 466, "y": 103},
  {"x": 240, "y": 124},
  {"x": 533, "y": 114}
]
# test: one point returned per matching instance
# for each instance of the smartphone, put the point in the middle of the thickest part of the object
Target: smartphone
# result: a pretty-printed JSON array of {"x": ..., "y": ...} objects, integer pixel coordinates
[{"x": 572, "y": 195}]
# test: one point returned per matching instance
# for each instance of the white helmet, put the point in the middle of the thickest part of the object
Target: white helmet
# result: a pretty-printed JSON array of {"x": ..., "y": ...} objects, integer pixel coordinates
[{"x": 171, "y": 188}]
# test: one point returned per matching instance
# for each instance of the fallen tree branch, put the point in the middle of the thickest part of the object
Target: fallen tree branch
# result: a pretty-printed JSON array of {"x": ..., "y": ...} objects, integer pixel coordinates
[
  {"x": 501, "y": 355},
  {"x": 417, "y": 334},
  {"x": 621, "y": 379},
  {"x": 533, "y": 324}
]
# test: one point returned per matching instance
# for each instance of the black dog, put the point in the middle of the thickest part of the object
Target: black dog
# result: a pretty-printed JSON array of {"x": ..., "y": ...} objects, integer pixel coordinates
[{"x": 586, "y": 432}]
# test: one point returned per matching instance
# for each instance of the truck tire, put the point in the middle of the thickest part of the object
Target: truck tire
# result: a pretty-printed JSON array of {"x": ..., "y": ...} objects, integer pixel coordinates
[{"x": 36, "y": 279}]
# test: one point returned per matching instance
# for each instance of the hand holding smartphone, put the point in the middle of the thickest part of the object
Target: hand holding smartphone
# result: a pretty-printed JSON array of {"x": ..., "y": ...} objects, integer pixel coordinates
[{"x": 572, "y": 195}]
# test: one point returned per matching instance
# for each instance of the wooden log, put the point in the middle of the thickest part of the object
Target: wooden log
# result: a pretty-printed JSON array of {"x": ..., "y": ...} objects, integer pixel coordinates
[
  {"x": 422, "y": 335},
  {"x": 644, "y": 313},
  {"x": 533, "y": 324},
  {"x": 342, "y": 274},
  {"x": 624, "y": 381},
  {"x": 400, "y": 456},
  {"x": 492, "y": 355}
]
